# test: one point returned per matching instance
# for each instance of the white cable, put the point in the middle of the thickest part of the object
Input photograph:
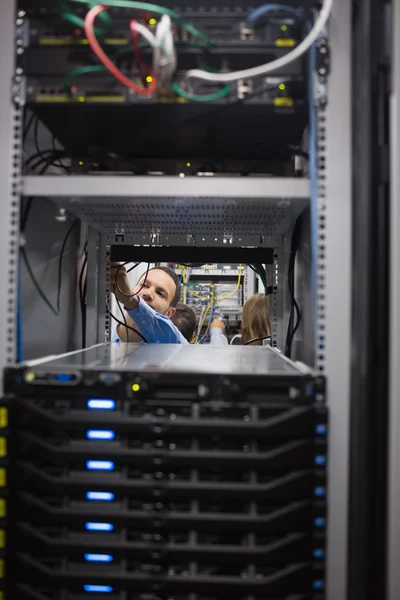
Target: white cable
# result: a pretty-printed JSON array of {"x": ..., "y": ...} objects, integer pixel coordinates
[
  {"x": 275, "y": 64},
  {"x": 235, "y": 337},
  {"x": 146, "y": 33},
  {"x": 164, "y": 57}
]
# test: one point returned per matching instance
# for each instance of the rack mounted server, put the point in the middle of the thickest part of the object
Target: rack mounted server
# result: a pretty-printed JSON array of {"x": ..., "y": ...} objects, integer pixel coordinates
[{"x": 138, "y": 472}]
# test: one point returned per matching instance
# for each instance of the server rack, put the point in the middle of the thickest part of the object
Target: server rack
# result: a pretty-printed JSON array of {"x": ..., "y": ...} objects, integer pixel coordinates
[{"x": 333, "y": 308}]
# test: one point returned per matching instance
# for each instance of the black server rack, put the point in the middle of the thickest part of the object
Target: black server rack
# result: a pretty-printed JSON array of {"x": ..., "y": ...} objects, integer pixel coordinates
[{"x": 139, "y": 472}]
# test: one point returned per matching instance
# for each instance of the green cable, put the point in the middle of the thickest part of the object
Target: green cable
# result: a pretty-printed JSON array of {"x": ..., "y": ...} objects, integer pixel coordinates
[
  {"x": 36, "y": 283},
  {"x": 203, "y": 97},
  {"x": 153, "y": 8},
  {"x": 67, "y": 15},
  {"x": 95, "y": 68},
  {"x": 100, "y": 68},
  {"x": 81, "y": 71},
  {"x": 75, "y": 20}
]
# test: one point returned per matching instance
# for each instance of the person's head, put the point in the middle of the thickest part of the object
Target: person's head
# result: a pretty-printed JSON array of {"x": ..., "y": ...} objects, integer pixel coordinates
[
  {"x": 256, "y": 319},
  {"x": 185, "y": 320},
  {"x": 160, "y": 289}
]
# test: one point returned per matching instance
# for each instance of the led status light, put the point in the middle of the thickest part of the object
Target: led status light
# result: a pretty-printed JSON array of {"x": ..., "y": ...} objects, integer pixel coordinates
[
  {"x": 104, "y": 496},
  {"x": 99, "y": 526},
  {"x": 149, "y": 79},
  {"x": 100, "y": 465},
  {"x": 99, "y": 404},
  {"x": 99, "y": 557},
  {"x": 152, "y": 21},
  {"x": 135, "y": 387},
  {"x": 95, "y": 434},
  {"x": 282, "y": 86},
  {"x": 99, "y": 589}
]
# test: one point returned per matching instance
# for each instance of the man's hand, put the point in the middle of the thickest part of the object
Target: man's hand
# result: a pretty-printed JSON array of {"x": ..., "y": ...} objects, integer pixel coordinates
[
  {"x": 218, "y": 323},
  {"x": 122, "y": 289}
]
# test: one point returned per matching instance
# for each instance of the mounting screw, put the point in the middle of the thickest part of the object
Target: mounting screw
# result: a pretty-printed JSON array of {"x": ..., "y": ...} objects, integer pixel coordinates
[
  {"x": 20, "y": 50},
  {"x": 19, "y": 71},
  {"x": 20, "y": 22},
  {"x": 21, "y": 14}
]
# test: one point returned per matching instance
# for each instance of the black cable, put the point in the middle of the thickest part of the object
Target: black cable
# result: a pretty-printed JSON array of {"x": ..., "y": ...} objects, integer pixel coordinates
[
  {"x": 64, "y": 244},
  {"x": 259, "y": 339},
  {"x": 131, "y": 269},
  {"x": 121, "y": 310},
  {"x": 127, "y": 326},
  {"x": 294, "y": 311},
  {"x": 25, "y": 214},
  {"x": 82, "y": 295},
  {"x": 27, "y": 127}
]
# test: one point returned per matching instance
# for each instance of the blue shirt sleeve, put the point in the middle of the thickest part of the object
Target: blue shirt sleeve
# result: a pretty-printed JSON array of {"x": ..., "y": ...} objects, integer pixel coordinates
[
  {"x": 156, "y": 328},
  {"x": 114, "y": 334},
  {"x": 217, "y": 337}
]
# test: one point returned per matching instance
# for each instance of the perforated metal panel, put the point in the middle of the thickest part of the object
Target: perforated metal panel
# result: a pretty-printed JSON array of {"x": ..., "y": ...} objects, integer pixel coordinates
[{"x": 196, "y": 216}]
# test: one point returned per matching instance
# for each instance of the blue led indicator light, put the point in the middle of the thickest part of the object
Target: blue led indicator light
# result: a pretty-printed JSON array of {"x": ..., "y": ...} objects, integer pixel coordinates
[
  {"x": 320, "y": 460},
  {"x": 318, "y": 585},
  {"x": 319, "y": 553},
  {"x": 63, "y": 377},
  {"x": 99, "y": 557},
  {"x": 105, "y": 496},
  {"x": 99, "y": 526},
  {"x": 99, "y": 404},
  {"x": 100, "y": 434},
  {"x": 319, "y": 491},
  {"x": 320, "y": 429},
  {"x": 99, "y": 589},
  {"x": 319, "y": 522},
  {"x": 100, "y": 465}
]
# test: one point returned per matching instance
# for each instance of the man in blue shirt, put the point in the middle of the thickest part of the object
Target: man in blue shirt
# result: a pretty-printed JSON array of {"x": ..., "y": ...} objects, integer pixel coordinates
[{"x": 150, "y": 306}]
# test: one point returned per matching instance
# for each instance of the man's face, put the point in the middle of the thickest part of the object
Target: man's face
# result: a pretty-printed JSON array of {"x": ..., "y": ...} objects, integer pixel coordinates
[{"x": 158, "y": 291}]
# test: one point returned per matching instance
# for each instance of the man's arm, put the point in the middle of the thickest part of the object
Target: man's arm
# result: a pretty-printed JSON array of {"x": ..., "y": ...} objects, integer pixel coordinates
[
  {"x": 156, "y": 328},
  {"x": 217, "y": 335}
]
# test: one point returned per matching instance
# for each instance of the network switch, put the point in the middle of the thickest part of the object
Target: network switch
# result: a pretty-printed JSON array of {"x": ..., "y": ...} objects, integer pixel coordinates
[{"x": 64, "y": 79}]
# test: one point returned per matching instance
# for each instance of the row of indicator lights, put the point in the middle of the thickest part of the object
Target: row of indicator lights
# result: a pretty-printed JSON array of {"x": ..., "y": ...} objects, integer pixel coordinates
[{"x": 93, "y": 434}]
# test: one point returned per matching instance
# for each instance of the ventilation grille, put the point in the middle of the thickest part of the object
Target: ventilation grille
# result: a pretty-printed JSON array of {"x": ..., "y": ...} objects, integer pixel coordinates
[{"x": 196, "y": 216}]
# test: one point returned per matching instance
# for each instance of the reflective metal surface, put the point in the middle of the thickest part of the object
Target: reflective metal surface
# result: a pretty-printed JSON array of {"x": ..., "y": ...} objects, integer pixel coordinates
[{"x": 229, "y": 360}]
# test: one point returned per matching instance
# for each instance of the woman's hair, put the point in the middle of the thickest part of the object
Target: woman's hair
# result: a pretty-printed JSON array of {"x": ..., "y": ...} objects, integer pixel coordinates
[{"x": 256, "y": 319}]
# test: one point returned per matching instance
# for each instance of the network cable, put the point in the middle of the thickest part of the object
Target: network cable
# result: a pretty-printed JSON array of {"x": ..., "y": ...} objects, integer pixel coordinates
[
  {"x": 274, "y": 65},
  {"x": 107, "y": 62},
  {"x": 154, "y": 9}
]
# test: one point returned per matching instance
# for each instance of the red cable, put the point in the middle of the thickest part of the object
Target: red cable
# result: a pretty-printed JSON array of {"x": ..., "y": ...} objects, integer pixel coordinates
[
  {"x": 101, "y": 55},
  {"x": 138, "y": 53}
]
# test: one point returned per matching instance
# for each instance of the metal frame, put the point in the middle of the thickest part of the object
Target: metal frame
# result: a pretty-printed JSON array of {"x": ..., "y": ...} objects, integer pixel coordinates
[
  {"x": 334, "y": 287},
  {"x": 11, "y": 124},
  {"x": 393, "y": 520},
  {"x": 166, "y": 186}
]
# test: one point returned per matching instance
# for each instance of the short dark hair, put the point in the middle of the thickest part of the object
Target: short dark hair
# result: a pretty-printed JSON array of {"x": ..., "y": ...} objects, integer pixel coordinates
[
  {"x": 185, "y": 320},
  {"x": 175, "y": 279}
]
